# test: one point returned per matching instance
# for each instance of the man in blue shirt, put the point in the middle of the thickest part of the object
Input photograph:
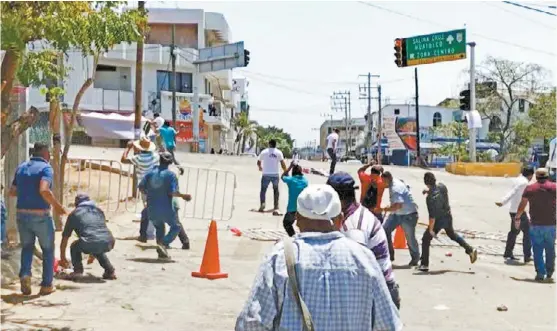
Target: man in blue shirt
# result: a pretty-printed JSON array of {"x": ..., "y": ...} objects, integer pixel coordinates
[
  {"x": 296, "y": 184},
  {"x": 404, "y": 212},
  {"x": 161, "y": 185},
  {"x": 32, "y": 186},
  {"x": 168, "y": 135}
]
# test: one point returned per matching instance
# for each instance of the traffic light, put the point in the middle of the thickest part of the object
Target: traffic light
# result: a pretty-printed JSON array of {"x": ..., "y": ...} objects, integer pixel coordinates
[
  {"x": 400, "y": 52},
  {"x": 465, "y": 100},
  {"x": 246, "y": 57}
]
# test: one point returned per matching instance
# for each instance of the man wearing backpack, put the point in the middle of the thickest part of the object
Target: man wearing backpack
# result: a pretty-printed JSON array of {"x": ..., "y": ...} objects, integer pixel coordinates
[
  {"x": 359, "y": 218},
  {"x": 372, "y": 188}
]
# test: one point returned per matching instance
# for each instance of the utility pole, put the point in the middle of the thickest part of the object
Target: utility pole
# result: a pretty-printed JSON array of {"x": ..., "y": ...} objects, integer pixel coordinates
[
  {"x": 138, "y": 88},
  {"x": 379, "y": 127},
  {"x": 367, "y": 96},
  {"x": 472, "y": 99},
  {"x": 418, "y": 155},
  {"x": 341, "y": 102},
  {"x": 173, "y": 76}
]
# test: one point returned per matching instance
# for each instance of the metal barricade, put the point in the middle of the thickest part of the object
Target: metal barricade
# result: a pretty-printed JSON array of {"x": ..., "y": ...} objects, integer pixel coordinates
[
  {"x": 103, "y": 180},
  {"x": 213, "y": 192}
]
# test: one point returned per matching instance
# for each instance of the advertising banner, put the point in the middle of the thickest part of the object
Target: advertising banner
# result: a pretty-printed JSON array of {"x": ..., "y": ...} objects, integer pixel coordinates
[
  {"x": 109, "y": 125},
  {"x": 389, "y": 132},
  {"x": 185, "y": 131}
]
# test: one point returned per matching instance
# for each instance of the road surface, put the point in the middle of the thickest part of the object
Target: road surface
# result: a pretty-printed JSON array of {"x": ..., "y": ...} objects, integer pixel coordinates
[{"x": 150, "y": 295}]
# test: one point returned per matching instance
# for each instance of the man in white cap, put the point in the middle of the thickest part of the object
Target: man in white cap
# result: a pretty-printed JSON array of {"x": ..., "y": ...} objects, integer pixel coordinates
[{"x": 340, "y": 281}]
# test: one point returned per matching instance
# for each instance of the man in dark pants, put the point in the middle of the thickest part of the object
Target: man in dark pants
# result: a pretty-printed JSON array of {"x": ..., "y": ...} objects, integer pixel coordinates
[
  {"x": 332, "y": 144},
  {"x": 440, "y": 218},
  {"x": 513, "y": 198},
  {"x": 296, "y": 184},
  {"x": 161, "y": 186},
  {"x": 89, "y": 223},
  {"x": 183, "y": 236}
]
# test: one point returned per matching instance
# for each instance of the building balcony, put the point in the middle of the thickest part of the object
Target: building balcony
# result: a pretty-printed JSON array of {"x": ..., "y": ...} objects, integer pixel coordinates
[
  {"x": 152, "y": 54},
  {"x": 220, "y": 118},
  {"x": 94, "y": 99},
  {"x": 98, "y": 99}
]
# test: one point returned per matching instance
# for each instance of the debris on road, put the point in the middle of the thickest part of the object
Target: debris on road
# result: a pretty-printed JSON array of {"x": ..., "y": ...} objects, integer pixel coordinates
[
  {"x": 449, "y": 254},
  {"x": 502, "y": 308}
]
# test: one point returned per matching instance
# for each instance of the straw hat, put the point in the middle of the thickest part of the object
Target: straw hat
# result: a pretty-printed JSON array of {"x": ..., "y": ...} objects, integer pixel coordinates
[{"x": 144, "y": 144}]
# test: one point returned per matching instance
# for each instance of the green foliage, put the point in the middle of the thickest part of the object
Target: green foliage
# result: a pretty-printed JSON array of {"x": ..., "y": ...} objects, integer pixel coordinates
[
  {"x": 515, "y": 81},
  {"x": 61, "y": 27},
  {"x": 542, "y": 116}
]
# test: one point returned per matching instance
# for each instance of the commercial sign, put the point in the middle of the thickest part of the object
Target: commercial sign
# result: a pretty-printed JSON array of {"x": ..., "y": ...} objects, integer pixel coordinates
[
  {"x": 389, "y": 131},
  {"x": 436, "y": 47}
]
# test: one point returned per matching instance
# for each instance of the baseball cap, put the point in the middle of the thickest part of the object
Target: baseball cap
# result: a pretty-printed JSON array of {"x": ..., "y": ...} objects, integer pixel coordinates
[
  {"x": 342, "y": 181},
  {"x": 319, "y": 202}
]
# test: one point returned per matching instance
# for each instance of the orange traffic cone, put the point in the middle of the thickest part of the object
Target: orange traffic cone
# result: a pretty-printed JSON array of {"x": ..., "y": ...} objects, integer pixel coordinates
[
  {"x": 210, "y": 266},
  {"x": 400, "y": 239}
]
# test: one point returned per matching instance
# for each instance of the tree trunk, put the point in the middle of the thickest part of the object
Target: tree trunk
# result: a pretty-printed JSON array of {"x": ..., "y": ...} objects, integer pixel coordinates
[
  {"x": 8, "y": 74},
  {"x": 54, "y": 119}
]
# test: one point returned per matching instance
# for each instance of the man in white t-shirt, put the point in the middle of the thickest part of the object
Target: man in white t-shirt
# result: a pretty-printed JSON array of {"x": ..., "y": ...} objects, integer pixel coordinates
[
  {"x": 332, "y": 144},
  {"x": 156, "y": 125},
  {"x": 268, "y": 164}
]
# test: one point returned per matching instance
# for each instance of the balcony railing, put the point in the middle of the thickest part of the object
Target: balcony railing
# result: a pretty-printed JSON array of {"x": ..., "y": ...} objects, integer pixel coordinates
[{"x": 108, "y": 100}]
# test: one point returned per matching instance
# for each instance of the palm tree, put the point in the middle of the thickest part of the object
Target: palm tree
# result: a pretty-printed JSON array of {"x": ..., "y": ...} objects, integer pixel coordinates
[{"x": 245, "y": 130}]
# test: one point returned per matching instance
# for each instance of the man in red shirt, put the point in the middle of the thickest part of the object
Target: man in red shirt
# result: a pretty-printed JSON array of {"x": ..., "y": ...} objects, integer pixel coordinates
[
  {"x": 373, "y": 178},
  {"x": 541, "y": 196}
]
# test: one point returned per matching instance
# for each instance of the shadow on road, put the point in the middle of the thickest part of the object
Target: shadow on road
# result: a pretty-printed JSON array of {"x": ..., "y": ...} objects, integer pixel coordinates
[
  {"x": 145, "y": 247},
  {"x": 18, "y": 298},
  {"x": 402, "y": 267},
  {"x": 531, "y": 280},
  {"x": 151, "y": 260},
  {"x": 442, "y": 272}
]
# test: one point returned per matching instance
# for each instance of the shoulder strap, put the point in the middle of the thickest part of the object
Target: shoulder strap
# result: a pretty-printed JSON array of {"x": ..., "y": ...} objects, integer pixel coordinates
[
  {"x": 362, "y": 209},
  {"x": 291, "y": 268}
]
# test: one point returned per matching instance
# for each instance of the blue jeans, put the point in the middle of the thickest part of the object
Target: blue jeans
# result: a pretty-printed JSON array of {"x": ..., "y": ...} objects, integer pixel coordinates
[
  {"x": 33, "y": 226},
  {"x": 543, "y": 239},
  {"x": 173, "y": 231},
  {"x": 408, "y": 223},
  {"x": 265, "y": 181}
]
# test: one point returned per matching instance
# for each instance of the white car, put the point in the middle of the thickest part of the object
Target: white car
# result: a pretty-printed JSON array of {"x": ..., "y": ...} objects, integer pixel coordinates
[{"x": 354, "y": 161}]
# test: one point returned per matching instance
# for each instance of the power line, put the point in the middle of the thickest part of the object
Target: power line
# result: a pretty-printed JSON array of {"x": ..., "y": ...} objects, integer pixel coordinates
[
  {"x": 530, "y": 8},
  {"x": 296, "y": 80},
  {"x": 289, "y": 88},
  {"x": 248, "y": 73},
  {"x": 519, "y": 15},
  {"x": 444, "y": 26}
]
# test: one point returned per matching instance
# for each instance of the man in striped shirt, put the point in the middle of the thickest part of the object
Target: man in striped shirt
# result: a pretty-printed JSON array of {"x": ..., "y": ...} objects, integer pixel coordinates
[
  {"x": 144, "y": 161},
  {"x": 358, "y": 218}
]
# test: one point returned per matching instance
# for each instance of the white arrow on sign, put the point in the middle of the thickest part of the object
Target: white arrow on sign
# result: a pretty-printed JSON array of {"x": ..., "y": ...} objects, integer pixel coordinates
[{"x": 450, "y": 39}]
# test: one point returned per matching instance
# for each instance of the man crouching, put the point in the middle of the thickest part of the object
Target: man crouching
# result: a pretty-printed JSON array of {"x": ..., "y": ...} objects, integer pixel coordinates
[{"x": 95, "y": 238}]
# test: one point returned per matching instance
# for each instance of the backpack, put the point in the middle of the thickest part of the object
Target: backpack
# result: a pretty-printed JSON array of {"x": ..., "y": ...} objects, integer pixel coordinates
[{"x": 370, "y": 198}]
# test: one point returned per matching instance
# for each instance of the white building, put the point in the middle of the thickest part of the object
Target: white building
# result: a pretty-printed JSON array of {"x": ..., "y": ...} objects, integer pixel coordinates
[
  {"x": 113, "y": 89},
  {"x": 430, "y": 117}
]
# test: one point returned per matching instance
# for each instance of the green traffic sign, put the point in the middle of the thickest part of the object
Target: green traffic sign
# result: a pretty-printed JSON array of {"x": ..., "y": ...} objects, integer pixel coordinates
[{"x": 436, "y": 47}]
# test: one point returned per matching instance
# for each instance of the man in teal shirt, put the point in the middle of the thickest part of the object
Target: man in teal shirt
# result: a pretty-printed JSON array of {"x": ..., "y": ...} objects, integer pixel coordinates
[{"x": 296, "y": 184}]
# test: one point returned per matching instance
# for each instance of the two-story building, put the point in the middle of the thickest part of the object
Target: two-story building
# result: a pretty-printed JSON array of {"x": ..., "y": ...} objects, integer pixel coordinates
[{"x": 113, "y": 88}]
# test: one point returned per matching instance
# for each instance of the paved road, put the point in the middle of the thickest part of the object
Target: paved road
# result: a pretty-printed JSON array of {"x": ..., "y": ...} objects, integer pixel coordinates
[{"x": 152, "y": 296}]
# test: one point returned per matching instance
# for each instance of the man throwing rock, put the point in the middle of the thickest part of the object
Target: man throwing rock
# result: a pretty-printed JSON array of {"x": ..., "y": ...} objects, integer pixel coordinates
[{"x": 440, "y": 218}]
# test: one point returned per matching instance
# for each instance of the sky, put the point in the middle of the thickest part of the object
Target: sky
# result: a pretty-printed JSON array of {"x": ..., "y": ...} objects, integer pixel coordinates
[{"x": 303, "y": 51}]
